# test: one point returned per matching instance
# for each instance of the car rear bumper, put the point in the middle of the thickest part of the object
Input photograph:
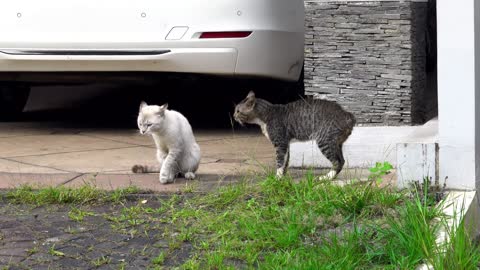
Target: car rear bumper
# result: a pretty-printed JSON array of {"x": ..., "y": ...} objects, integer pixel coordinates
[
  {"x": 200, "y": 60},
  {"x": 256, "y": 55}
]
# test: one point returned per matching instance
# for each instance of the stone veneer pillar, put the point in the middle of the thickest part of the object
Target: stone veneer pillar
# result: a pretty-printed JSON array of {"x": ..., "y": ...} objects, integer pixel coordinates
[{"x": 369, "y": 56}]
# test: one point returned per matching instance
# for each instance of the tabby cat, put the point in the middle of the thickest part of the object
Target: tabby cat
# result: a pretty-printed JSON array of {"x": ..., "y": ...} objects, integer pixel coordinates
[{"x": 324, "y": 121}]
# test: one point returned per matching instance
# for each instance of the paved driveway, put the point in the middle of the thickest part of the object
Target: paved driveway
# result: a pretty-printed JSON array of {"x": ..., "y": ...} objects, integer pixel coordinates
[
  {"x": 75, "y": 147},
  {"x": 51, "y": 154}
]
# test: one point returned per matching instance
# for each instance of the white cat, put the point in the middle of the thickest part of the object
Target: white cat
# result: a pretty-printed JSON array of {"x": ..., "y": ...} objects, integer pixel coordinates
[{"x": 177, "y": 150}]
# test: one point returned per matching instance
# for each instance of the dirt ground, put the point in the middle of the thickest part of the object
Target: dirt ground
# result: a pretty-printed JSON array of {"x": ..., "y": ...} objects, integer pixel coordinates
[{"x": 46, "y": 238}]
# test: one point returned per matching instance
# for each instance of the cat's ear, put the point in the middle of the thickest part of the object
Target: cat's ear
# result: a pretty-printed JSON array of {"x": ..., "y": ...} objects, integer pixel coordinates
[
  {"x": 142, "y": 104},
  {"x": 161, "y": 109},
  {"x": 164, "y": 106},
  {"x": 250, "y": 100}
]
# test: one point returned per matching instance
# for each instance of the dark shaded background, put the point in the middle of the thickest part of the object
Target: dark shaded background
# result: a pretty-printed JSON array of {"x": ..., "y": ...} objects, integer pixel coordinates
[{"x": 207, "y": 102}]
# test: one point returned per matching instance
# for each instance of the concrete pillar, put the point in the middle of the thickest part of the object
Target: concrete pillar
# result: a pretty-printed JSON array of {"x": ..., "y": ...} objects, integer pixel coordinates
[
  {"x": 416, "y": 162},
  {"x": 458, "y": 26}
]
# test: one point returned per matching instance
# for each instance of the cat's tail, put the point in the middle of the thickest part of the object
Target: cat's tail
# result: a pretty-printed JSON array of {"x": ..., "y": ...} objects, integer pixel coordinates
[{"x": 145, "y": 169}]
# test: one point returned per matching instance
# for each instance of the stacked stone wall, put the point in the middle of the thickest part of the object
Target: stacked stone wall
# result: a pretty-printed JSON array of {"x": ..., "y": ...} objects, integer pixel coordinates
[{"x": 369, "y": 56}]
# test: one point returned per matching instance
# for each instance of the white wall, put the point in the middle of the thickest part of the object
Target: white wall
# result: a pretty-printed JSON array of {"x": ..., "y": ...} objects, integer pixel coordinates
[
  {"x": 477, "y": 93},
  {"x": 456, "y": 92}
]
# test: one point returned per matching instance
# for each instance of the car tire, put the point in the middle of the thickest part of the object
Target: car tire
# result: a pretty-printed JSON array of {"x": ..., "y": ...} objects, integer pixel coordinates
[{"x": 12, "y": 100}]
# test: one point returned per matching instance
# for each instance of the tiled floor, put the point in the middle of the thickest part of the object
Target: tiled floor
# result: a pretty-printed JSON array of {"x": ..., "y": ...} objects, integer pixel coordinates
[{"x": 49, "y": 154}]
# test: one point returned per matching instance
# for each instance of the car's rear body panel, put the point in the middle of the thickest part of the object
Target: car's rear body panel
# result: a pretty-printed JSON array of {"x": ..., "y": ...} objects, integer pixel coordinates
[{"x": 98, "y": 28}]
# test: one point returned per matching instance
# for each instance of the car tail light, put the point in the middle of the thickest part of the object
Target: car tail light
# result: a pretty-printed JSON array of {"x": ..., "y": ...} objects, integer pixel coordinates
[{"x": 239, "y": 34}]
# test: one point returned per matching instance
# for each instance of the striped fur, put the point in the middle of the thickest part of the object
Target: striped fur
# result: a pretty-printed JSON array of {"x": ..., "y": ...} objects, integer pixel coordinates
[
  {"x": 145, "y": 169},
  {"x": 324, "y": 121}
]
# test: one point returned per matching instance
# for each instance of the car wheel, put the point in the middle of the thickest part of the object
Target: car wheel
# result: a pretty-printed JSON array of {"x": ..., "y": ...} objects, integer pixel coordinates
[{"x": 12, "y": 100}]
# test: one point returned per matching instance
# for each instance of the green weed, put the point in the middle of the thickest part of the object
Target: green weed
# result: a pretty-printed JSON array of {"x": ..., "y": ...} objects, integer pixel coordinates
[
  {"x": 379, "y": 170},
  {"x": 54, "y": 252},
  {"x": 160, "y": 259},
  {"x": 78, "y": 215},
  {"x": 103, "y": 260}
]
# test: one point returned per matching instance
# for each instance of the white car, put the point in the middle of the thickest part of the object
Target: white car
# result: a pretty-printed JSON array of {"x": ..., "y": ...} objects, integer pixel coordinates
[{"x": 260, "y": 38}]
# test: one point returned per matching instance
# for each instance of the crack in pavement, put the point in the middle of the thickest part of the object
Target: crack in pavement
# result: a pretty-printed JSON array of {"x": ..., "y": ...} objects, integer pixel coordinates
[
  {"x": 35, "y": 165},
  {"x": 71, "y": 179},
  {"x": 68, "y": 152}
]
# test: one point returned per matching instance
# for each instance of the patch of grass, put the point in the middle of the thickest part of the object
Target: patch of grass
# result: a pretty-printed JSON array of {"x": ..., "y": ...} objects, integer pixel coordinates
[
  {"x": 190, "y": 187},
  {"x": 174, "y": 244},
  {"x": 432, "y": 192},
  {"x": 215, "y": 260},
  {"x": 122, "y": 266},
  {"x": 459, "y": 251},
  {"x": 132, "y": 215},
  {"x": 85, "y": 194},
  {"x": 103, "y": 260},
  {"x": 129, "y": 218},
  {"x": 160, "y": 259},
  {"x": 409, "y": 238},
  {"x": 308, "y": 224},
  {"x": 77, "y": 214},
  {"x": 32, "y": 250},
  {"x": 54, "y": 195},
  {"x": 283, "y": 223},
  {"x": 191, "y": 264},
  {"x": 119, "y": 195},
  {"x": 54, "y": 252}
]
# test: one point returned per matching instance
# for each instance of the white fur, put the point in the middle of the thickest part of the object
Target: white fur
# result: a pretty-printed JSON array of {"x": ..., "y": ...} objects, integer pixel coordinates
[
  {"x": 262, "y": 125},
  {"x": 189, "y": 175},
  {"x": 177, "y": 150},
  {"x": 329, "y": 176},
  {"x": 280, "y": 172}
]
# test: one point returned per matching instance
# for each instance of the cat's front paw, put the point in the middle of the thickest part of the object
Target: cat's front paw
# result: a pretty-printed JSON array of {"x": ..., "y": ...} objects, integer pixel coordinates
[
  {"x": 329, "y": 176},
  {"x": 165, "y": 179},
  {"x": 280, "y": 172},
  {"x": 189, "y": 176}
]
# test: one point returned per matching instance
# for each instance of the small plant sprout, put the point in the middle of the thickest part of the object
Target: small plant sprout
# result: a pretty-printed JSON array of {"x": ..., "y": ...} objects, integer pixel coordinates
[
  {"x": 54, "y": 252},
  {"x": 103, "y": 260},
  {"x": 379, "y": 170},
  {"x": 160, "y": 259},
  {"x": 78, "y": 215}
]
